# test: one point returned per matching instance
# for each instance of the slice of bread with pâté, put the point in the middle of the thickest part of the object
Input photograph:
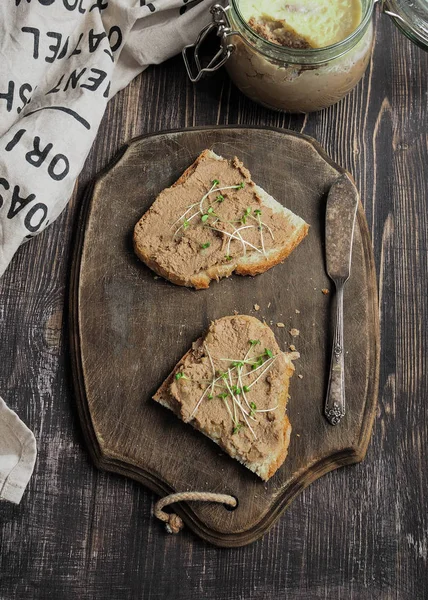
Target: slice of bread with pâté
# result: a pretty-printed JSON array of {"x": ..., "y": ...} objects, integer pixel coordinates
[
  {"x": 215, "y": 221},
  {"x": 232, "y": 385}
]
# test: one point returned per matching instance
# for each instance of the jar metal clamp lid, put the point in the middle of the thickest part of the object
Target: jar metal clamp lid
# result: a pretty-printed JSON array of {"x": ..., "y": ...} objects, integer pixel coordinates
[
  {"x": 221, "y": 24},
  {"x": 410, "y": 16}
]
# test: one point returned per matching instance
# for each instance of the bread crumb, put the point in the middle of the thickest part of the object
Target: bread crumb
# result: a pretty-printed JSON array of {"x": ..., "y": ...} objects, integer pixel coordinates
[
  {"x": 280, "y": 325},
  {"x": 325, "y": 291},
  {"x": 256, "y": 307},
  {"x": 297, "y": 434},
  {"x": 269, "y": 304},
  {"x": 297, "y": 312},
  {"x": 292, "y": 347},
  {"x": 300, "y": 376},
  {"x": 294, "y": 332}
]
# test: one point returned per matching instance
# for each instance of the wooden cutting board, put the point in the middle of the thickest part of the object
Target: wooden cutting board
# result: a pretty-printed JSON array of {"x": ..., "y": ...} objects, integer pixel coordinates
[{"x": 129, "y": 328}]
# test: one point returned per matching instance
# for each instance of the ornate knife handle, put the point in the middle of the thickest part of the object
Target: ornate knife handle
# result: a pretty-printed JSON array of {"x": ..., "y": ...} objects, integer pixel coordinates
[{"x": 334, "y": 408}]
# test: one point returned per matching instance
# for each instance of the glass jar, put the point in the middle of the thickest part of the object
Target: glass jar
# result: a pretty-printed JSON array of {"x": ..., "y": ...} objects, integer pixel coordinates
[{"x": 300, "y": 80}]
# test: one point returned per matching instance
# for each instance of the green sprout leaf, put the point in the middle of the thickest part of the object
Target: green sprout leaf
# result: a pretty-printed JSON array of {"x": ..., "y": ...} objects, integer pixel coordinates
[
  {"x": 238, "y": 364},
  {"x": 246, "y": 389},
  {"x": 237, "y": 427},
  {"x": 228, "y": 258},
  {"x": 254, "y": 342},
  {"x": 253, "y": 409},
  {"x": 223, "y": 395},
  {"x": 206, "y": 245},
  {"x": 268, "y": 352},
  {"x": 257, "y": 212},
  {"x": 210, "y": 211},
  {"x": 204, "y": 218},
  {"x": 216, "y": 182},
  {"x": 236, "y": 390},
  {"x": 210, "y": 396},
  {"x": 259, "y": 362},
  {"x": 179, "y": 376},
  {"x": 240, "y": 185},
  {"x": 219, "y": 198},
  {"x": 186, "y": 224}
]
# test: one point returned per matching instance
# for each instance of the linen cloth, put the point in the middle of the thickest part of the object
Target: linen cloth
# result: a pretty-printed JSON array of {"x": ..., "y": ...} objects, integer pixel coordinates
[
  {"x": 60, "y": 63},
  {"x": 17, "y": 455}
]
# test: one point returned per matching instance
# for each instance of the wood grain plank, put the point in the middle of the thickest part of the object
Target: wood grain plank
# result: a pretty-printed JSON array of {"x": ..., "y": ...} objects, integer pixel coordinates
[{"x": 359, "y": 533}]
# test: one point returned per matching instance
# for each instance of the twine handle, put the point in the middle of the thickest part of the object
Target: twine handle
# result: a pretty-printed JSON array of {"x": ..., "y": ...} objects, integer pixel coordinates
[{"x": 173, "y": 522}]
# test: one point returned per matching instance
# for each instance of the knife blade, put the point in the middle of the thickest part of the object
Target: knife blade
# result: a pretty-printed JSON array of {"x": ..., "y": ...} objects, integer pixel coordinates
[{"x": 341, "y": 210}]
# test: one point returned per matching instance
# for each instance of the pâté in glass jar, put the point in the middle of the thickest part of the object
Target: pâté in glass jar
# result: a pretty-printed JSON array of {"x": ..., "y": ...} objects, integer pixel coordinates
[{"x": 300, "y": 55}]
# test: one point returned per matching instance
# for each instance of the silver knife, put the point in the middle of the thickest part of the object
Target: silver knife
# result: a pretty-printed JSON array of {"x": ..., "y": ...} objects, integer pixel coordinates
[{"x": 341, "y": 211}]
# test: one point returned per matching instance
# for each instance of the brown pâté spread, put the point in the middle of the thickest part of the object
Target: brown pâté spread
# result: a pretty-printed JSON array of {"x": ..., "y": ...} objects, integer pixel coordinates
[
  {"x": 275, "y": 31},
  {"x": 233, "y": 386},
  {"x": 213, "y": 217}
]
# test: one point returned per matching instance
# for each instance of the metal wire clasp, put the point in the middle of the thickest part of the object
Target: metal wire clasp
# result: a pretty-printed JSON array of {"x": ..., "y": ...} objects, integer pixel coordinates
[
  {"x": 385, "y": 9},
  {"x": 220, "y": 23}
]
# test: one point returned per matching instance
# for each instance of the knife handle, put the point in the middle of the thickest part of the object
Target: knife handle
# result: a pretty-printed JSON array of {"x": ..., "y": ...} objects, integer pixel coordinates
[{"x": 334, "y": 408}]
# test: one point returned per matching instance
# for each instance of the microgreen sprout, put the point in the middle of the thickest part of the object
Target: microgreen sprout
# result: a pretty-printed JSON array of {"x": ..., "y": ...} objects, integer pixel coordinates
[
  {"x": 186, "y": 224},
  {"x": 253, "y": 407},
  {"x": 268, "y": 352},
  {"x": 179, "y": 376},
  {"x": 254, "y": 342},
  {"x": 258, "y": 213},
  {"x": 204, "y": 218},
  {"x": 186, "y": 221},
  {"x": 235, "y": 237},
  {"x": 246, "y": 389},
  {"x": 206, "y": 245},
  {"x": 237, "y": 427},
  {"x": 241, "y": 185},
  {"x": 210, "y": 396},
  {"x": 215, "y": 182},
  {"x": 236, "y": 390},
  {"x": 267, "y": 409},
  {"x": 238, "y": 364},
  {"x": 228, "y": 257},
  {"x": 219, "y": 198},
  {"x": 245, "y": 215},
  {"x": 223, "y": 395},
  {"x": 270, "y": 361},
  {"x": 258, "y": 362},
  {"x": 210, "y": 211},
  {"x": 241, "y": 239}
]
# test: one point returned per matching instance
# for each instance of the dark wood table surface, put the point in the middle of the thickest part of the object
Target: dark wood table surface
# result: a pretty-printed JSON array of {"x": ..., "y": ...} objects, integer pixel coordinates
[{"x": 358, "y": 533}]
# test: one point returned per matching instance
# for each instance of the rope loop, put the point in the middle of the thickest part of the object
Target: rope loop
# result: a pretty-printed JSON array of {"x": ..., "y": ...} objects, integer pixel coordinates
[{"x": 173, "y": 522}]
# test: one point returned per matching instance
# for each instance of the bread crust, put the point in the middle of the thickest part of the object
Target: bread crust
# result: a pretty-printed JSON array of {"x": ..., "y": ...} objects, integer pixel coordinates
[{"x": 203, "y": 279}]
